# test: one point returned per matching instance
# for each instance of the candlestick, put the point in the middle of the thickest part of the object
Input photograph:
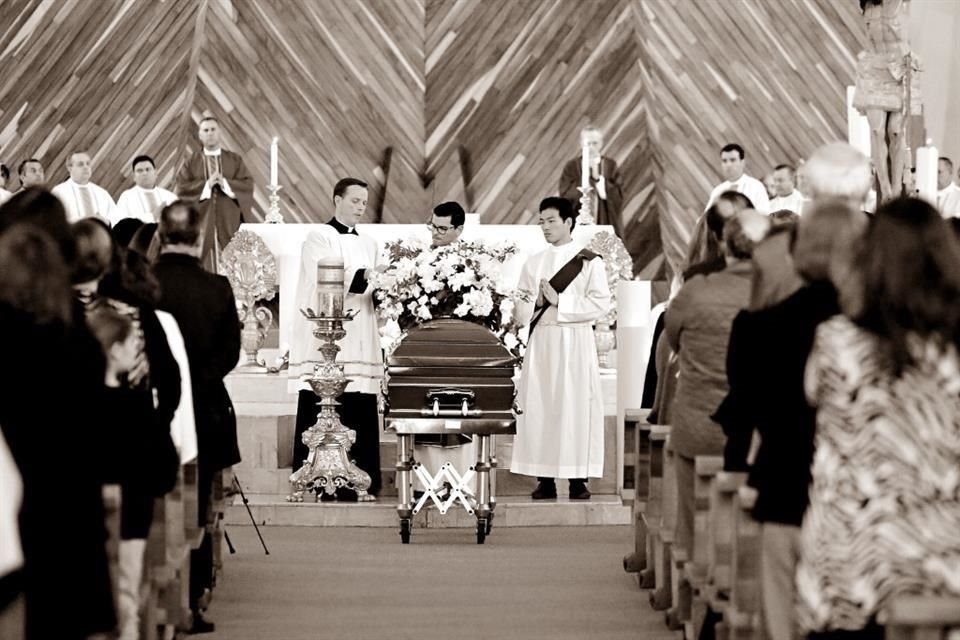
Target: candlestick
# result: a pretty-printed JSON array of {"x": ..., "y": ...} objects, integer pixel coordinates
[
  {"x": 274, "y": 161},
  {"x": 273, "y": 211},
  {"x": 927, "y": 172}
]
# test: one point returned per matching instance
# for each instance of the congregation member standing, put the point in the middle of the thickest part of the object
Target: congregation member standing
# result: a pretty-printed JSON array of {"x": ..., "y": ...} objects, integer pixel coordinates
[
  {"x": 217, "y": 182},
  {"x": 145, "y": 199},
  {"x": 204, "y": 307},
  {"x": 732, "y": 164},
  {"x": 64, "y": 550},
  {"x": 80, "y": 197},
  {"x": 884, "y": 379},
  {"x": 606, "y": 199},
  {"x": 697, "y": 325},
  {"x": 560, "y": 432},
  {"x": 360, "y": 350}
]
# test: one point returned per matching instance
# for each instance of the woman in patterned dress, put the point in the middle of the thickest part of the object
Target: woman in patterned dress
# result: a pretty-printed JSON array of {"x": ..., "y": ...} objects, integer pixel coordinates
[{"x": 884, "y": 514}]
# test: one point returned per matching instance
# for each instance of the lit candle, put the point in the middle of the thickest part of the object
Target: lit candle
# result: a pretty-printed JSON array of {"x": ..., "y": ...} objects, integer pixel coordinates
[
  {"x": 274, "y": 163},
  {"x": 927, "y": 172},
  {"x": 858, "y": 128},
  {"x": 330, "y": 287},
  {"x": 585, "y": 166}
]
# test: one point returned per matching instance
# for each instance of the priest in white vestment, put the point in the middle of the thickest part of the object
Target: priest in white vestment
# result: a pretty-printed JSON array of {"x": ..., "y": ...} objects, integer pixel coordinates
[
  {"x": 560, "y": 432},
  {"x": 786, "y": 195},
  {"x": 80, "y": 197},
  {"x": 732, "y": 162},
  {"x": 948, "y": 193},
  {"x": 145, "y": 199},
  {"x": 360, "y": 350}
]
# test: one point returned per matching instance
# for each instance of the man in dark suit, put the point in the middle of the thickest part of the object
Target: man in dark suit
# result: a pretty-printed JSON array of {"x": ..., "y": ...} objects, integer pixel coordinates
[
  {"x": 204, "y": 307},
  {"x": 606, "y": 198}
]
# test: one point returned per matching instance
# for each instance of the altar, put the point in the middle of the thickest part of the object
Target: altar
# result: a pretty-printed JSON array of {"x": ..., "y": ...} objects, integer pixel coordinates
[{"x": 285, "y": 242}]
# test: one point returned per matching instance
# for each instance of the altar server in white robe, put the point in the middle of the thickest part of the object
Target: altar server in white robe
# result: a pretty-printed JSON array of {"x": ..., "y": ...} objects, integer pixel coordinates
[
  {"x": 560, "y": 432},
  {"x": 145, "y": 199},
  {"x": 732, "y": 164},
  {"x": 80, "y": 197},
  {"x": 360, "y": 350},
  {"x": 948, "y": 193}
]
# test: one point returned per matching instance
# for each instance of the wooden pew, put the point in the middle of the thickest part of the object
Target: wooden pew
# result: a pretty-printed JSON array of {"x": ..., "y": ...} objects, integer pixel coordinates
[
  {"x": 662, "y": 597},
  {"x": 692, "y": 581},
  {"x": 173, "y": 534},
  {"x": 921, "y": 618},
  {"x": 636, "y": 423},
  {"x": 741, "y": 615},
  {"x": 650, "y": 516},
  {"x": 111, "y": 514}
]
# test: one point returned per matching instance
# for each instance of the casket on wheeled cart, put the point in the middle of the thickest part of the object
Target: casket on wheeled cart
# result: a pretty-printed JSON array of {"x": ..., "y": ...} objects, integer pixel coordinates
[{"x": 449, "y": 376}]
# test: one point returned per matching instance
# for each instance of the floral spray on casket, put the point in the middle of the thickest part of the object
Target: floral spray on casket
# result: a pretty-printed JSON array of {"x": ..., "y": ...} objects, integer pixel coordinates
[{"x": 462, "y": 280}]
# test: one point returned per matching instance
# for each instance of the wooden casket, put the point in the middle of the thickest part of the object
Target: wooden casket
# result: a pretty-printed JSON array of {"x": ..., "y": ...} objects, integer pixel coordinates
[{"x": 450, "y": 376}]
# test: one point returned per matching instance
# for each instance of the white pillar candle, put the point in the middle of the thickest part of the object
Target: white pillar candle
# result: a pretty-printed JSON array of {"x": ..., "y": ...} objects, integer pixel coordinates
[
  {"x": 274, "y": 161},
  {"x": 585, "y": 166},
  {"x": 858, "y": 128},
  {"x": 927, "y": 172}
]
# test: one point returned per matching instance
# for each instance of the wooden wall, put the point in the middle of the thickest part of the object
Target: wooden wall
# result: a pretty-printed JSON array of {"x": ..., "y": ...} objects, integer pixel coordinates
[
  {"x": 771, "y": 76},
  {"x": 479, "y": 100}
]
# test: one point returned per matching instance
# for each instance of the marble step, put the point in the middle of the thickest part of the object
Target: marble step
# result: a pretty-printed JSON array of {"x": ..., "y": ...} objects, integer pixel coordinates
[{"x": 273, "y": 509}]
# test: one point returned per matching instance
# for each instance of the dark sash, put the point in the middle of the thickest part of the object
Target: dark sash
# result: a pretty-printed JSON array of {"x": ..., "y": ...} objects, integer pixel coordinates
[{"x": 562, "y": 279}]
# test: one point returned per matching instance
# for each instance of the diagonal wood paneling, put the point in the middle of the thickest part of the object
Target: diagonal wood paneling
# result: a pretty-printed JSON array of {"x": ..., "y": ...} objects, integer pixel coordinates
[
  {"x": 106, "y": 76},
  {"x": 497, "y": 88},
  {"x": 510, "y": 84},
  {"x": 338, "y": 82},
  {"x": 771, "y": 76}
]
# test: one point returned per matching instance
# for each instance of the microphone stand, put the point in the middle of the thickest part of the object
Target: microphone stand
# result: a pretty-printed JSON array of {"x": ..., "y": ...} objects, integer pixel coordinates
[{"x": 246, "y": 504}]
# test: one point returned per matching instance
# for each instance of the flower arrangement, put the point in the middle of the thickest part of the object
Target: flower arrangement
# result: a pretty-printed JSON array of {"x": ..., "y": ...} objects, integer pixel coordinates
[
  {"x": 461, "y": 280},
  {"x": 618, "y": 265}
]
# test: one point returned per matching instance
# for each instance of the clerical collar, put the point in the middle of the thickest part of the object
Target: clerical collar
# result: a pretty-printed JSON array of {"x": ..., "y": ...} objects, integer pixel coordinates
[
  {"x": 341, "y": 228},
  {"x": 215, "y": 152}
]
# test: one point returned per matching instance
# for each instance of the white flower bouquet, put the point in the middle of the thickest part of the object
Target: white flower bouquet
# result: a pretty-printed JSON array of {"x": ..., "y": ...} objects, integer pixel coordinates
[{"x": 462, "y": 280}]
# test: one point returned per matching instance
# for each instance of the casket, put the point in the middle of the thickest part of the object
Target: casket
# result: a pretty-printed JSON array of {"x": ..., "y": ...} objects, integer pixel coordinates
[{"x": 450, "y": 376}]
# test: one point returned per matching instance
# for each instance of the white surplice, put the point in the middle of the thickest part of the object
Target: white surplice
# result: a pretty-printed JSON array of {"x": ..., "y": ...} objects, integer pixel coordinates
[
  {"x": 85, "y": 200},
  {"x": 748, "y": 186},
  {"x": 360, "y": 351},
  {"x": 560, "y": 432},
  {"x": 142, "y": 204},
  {"x": 791, "y": 202}
]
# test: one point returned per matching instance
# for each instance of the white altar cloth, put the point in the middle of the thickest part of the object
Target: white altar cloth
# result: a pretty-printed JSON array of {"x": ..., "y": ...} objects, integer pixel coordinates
[{"x": 285, "y": 242}]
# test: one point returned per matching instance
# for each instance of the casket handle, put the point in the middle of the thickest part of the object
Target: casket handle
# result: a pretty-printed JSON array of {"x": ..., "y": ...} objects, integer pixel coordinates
[
  {"x": 451, "y": 413},
  {"x": 436, "y": 407}
]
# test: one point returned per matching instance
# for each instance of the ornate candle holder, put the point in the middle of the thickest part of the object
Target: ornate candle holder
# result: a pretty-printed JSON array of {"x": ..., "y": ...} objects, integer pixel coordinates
[
  {"x": 327, "y": 466},
  {"x": 273, "y": 211},
  {"x": 586, "y": 204},
  {"x": 252, "y": 271}
]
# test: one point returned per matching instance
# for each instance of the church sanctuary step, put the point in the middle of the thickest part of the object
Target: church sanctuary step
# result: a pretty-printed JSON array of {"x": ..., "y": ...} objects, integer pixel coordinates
[{"x": 273, "y": 509}]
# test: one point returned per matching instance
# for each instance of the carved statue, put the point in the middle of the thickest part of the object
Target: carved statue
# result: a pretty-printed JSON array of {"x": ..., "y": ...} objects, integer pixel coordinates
[{"x": 882, "y": 90}]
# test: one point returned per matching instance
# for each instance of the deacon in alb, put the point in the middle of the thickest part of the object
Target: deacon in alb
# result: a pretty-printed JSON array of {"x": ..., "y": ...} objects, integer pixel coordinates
[
  {"x": 144, "y": 200},
  {"x": 560, "y": 432},
  {"x": 360, "y": 351},
  {"x": 80, "y": 197}
]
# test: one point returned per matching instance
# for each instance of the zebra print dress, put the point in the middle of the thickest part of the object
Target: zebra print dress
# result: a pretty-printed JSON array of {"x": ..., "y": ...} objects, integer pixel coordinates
[{"x": 884, "y": 514}]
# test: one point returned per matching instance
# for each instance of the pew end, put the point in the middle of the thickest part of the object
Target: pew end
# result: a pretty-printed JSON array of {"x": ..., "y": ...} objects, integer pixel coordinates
[{"x": 921, "y": 618}]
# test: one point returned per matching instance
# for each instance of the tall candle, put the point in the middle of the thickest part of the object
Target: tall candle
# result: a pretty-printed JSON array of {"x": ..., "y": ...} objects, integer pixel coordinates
[
  {"x": 927, "y": 172},
  {"x": 330, "y": 287},
  {"x": 274, "y": 162},
  {"x": 858, "y": 128},
  {"x": 585, "y": 166}
]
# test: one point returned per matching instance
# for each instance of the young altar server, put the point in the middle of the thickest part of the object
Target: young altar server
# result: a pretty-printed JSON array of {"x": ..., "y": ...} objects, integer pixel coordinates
[
  {"x": 560, "y": 432},
  {"x": 360, "y": 350},
  {"x": 145, "y": 199}
]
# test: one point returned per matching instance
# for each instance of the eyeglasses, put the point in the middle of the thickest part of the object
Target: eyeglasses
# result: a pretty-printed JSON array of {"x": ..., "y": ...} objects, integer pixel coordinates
[{"x": 440, "y": 230}]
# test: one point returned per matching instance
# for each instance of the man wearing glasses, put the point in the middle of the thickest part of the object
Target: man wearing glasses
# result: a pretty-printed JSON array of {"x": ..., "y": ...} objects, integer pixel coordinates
[
  {"x": 433, "y": 450},
  {"x": 446, "y": 224}
]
